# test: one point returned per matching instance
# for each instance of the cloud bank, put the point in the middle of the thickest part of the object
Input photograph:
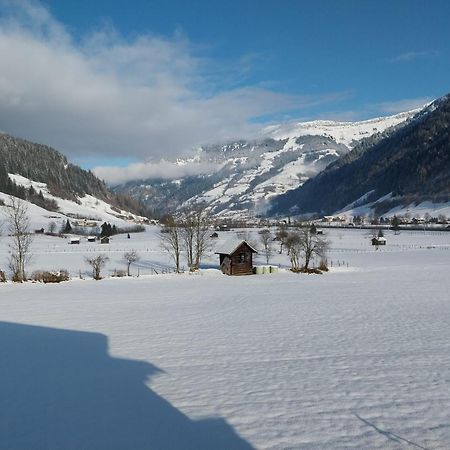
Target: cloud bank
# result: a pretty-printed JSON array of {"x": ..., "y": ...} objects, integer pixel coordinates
[
  {"x": 165, "y": 170},
  {"x": 106, "y": 95}
]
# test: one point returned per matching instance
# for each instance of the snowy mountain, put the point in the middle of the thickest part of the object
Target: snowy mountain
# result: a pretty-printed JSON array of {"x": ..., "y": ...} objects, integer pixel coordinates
[
  {"x": 251, "y": 173},
  {"x": 409, "y": 165}
]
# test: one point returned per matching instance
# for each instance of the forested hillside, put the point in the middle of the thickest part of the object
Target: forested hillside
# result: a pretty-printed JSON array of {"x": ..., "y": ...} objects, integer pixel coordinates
[{"x": 64, "y": 180}]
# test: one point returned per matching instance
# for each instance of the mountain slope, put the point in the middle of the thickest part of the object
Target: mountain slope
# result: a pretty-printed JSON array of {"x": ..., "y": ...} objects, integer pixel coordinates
[
  {"x": 63, "y": 180},
  {"x": 57, "y": 189},
  {"x": 251, "y": 173},
  {"x": 412, "y": 164}
]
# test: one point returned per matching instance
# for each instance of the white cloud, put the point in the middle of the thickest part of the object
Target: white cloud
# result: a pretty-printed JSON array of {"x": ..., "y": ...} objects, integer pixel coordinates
[
  {"x": 111, "y": 96},
  {"x": 165, "y": 170},
  {"x": 414, "y": 55}
]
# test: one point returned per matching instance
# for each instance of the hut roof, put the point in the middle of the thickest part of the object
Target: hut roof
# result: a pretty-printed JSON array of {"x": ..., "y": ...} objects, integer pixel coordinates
[{"x": 231, "y": 245}]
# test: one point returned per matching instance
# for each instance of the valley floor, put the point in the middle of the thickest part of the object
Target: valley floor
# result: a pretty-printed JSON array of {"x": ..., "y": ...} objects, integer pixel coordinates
[{"x": 356, "y": 358}]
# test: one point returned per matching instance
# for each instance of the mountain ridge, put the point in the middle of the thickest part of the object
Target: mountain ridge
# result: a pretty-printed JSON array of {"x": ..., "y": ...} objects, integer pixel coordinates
[
  {"x": 409, "y": 165},
  {"x": 252, "y": 172}
]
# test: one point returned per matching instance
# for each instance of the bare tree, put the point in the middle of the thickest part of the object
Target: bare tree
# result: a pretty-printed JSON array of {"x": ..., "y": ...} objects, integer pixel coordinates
[
  {"x": 187, "y": 231},
  {"x": 311, "y": 245},
  {"x": 292, "y": 243},
  {"x": 281, "y": 236},
  {"x": 303, "y": 243},
  {"x": 131, "y": 257},
  {"x": 265, "y": 239},
  {"x": 202, "y": 236},
  {"x": 171, "y": 240},
  {"x": 97, "y": 263},
  {"x": 194, "y": 227},
  {"x": 18, "y": 227}
]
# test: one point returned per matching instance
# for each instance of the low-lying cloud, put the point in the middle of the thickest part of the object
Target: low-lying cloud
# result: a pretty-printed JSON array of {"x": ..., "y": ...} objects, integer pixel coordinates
[{"x": 165, "y": 170}]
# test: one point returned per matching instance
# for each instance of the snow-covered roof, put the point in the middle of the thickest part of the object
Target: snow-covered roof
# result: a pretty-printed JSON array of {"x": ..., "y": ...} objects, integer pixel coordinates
[{"x": 231, "y": 245}]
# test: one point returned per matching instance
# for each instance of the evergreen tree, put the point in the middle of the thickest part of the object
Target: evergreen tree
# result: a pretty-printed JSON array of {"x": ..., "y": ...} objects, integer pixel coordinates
[{"x": 67, "y": 228}]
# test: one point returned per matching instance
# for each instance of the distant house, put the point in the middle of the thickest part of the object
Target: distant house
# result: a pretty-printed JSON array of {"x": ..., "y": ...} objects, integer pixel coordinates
[
  {"x": 84, "y": 222},
  {"x": 104, "y": 240},
  {"x": 91, "y": 238},
  {"x": 39, "y": 231},
  {"x": 74, "y": 241},
  {"x": 236, "y": 257},
  {"x": 223, "y": 227},
  {"x": 378, "y": 240}
]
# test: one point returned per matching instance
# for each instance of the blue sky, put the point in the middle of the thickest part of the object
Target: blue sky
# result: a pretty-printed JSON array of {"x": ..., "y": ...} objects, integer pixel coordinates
[
  {"x": 373, "y": 52},
  {"x": 123, "y": 81}
]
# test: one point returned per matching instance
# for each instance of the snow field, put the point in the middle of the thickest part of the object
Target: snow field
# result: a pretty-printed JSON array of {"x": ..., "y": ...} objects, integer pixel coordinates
[{"x": 356, "y": 358}]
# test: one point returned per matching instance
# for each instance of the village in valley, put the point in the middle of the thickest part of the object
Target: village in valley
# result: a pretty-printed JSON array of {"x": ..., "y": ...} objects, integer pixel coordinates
[{"x": 189, "y": 241}]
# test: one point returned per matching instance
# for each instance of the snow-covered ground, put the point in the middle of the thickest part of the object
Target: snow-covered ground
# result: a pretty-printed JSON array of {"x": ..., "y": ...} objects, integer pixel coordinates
[
  {"x": 89, "y": 207},
  {"x": 356, "y": 358},
  {"x": 360, "y": 208}
]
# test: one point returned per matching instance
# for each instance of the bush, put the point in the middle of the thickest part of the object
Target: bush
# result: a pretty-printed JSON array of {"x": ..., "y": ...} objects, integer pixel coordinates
[
  {"x": 323, "y": 266},
  {"x": 44, "y": 276},
  {"x": 120, "y": 273},
  {"x": 308, "y": 270},
  {"x": 2, "y": 277},
  {"x": 311, "y": 270}
]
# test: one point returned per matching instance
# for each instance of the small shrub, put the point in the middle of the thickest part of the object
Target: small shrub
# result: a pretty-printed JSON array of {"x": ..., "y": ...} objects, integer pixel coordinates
[
  {"x": 323, "y": 266},
  {"x": 2, "y": 277},
  {"x": 44, "y": 276},
  {"x": 16, "y": 278},
  {"x": 311, "y": 270},
  {"x": 120, "y": 273}
]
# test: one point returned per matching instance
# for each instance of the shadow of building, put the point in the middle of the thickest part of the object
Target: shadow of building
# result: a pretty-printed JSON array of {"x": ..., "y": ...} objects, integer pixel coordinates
[{"x": 60, "y": 390}]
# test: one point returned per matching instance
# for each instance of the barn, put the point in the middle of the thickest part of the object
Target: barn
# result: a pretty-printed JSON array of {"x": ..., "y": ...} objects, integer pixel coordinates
[
  {"x": 378, "y": 240},
  {"x": 236, "y": 257}
]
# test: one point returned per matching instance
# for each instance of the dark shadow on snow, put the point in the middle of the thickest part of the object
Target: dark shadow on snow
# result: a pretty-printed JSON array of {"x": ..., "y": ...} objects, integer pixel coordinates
[{"x": 60, "y": 390}]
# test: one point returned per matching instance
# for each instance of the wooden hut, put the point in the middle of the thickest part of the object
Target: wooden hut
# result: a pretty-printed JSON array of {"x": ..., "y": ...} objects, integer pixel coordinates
[
  {"x": 104, "y": 240},
  {"x": 236, "y": 257},
  {"x": 378, "y": 240}
]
